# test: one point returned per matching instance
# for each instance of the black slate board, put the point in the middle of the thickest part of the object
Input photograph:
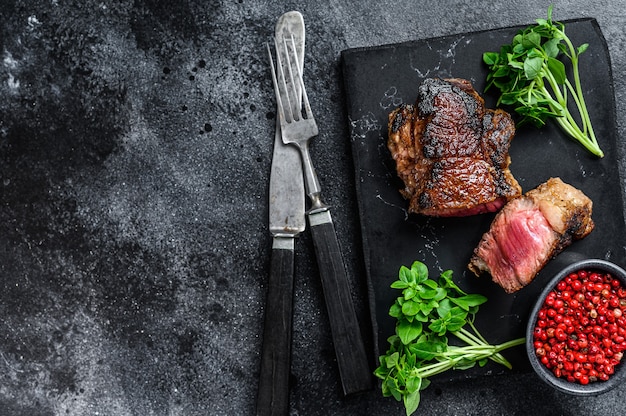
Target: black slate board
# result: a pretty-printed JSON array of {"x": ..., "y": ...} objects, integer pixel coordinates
[{"x": 378, "y": 79}]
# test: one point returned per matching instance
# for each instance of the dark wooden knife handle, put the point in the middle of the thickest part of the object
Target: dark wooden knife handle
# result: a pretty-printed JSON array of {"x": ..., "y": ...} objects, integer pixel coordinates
[
  {"x": 354, "y": 368},
  {"x": 273, "y": 391}
]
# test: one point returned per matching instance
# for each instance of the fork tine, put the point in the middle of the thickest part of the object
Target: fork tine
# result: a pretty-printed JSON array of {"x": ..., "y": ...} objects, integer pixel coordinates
[
  {"x": 297, "y": 86},
  {"x": 305, "y": 98},
  {"x": 279, "y": 101},
  {"x": 287, "y": 107},
  {"x": 297, "y": 114}
]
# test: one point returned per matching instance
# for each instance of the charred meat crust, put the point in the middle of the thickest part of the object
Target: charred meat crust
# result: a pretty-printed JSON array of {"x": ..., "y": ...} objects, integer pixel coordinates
[{"x": 451, "y": 152}]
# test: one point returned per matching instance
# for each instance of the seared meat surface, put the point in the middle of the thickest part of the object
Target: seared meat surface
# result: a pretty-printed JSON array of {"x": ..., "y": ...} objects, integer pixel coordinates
[
  {"x": 451, "y": 152},
  {"x": 529, "y": 231}
]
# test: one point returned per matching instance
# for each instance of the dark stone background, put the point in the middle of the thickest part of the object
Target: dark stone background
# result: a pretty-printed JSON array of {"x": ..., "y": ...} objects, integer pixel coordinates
[{"x": 135, "y": 146}]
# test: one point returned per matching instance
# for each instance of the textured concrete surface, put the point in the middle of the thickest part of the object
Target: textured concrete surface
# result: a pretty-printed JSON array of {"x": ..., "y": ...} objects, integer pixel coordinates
[{"x": 135, "y": 146}]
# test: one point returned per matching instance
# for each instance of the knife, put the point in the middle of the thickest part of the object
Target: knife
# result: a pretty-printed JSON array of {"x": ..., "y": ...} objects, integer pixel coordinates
[
  {"x": 354, "y": 370},
  {"x": 286, "y": 221}
]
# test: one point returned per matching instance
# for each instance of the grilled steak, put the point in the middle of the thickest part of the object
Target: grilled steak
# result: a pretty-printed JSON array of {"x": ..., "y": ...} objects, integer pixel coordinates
[
  {"x": 529, "y": 231},
  {"x": 451, "y": 152}
]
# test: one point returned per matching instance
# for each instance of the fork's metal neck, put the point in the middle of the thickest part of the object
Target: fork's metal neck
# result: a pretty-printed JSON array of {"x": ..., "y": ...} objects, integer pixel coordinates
[
  {"x": 316, "y": 204},
  {"x": 311, "y": 182}
]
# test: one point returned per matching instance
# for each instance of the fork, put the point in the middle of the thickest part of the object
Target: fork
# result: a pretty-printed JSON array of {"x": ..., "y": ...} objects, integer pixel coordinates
[{"x": 298, "y": 128}]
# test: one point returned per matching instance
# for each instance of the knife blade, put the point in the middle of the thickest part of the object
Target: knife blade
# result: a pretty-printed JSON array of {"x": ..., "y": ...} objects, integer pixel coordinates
[{"x": 286, "y": 221}]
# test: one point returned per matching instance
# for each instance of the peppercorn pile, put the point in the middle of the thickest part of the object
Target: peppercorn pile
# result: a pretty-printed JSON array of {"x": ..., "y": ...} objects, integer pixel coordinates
[{"x": 580, "y": 333}]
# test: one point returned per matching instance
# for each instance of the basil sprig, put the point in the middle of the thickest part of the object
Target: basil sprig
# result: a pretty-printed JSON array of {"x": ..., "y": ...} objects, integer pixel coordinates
[
  {"x": 427, "y": 313},
  {"x": 532, "y": 79}
]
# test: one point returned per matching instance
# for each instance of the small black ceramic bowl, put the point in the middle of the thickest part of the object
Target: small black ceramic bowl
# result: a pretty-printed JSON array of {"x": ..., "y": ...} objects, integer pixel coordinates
[{"x": 562, "y": 384}]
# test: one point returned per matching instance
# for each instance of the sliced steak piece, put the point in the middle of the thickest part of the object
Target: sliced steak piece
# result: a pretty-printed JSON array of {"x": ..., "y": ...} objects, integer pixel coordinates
[
  {"x": 529, "y": 231},
  {"x": 451, "y": 152}
]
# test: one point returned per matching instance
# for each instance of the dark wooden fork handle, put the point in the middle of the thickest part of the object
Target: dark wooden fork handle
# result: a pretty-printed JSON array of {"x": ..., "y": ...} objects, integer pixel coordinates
[{"x": 354, "y": 368}]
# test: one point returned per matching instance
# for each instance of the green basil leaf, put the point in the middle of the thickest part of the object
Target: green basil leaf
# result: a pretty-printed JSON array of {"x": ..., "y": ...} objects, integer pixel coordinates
[
  {"x": 413, "y": 384},
  {"x": 457, "y": 312},
  {"x": 454, "y": 324},
  {"x": 427, "y": 293},
  {"x": 473, "y": 310},
  {"x": 408, "y": 331},
  {"x": 394, "y": 342},
  {"x": 508, "y": 98},
  {"x": 431, "y": 284},
  {"x": 515, "y": 64},
  {"x": 393, "y": 389},
  {"x": 440, "y": 295},
  {"x": 409, "y": 293},
  {"x": 392, "y": 360},
  {"x": 490, "y": 58},
  {"x": 421, "y": 316},
  {"x": 399, "y": 284},
  {"x": 531, "y": 40},
  {"x": 404, "y": 274},
  {"x": 551, "y": 47},
  {"x": 381, "y": 373},
  {"x": 426, "y": 308},
  {"x": 557, "y": 68},
  {"x": 401, "y": 374},
  {"x": 444, "y": 307},
  {"x": 427, "y": 350},
  {"x": 467, "y": 301},
  {"x": 396, "y": 310},
  {"x": 438, "y": 326},
  {"x": 501, "y": 72},
  {"x": 419, "y": 270},
  {"x": 532, "y": 67},
  {"x": 384, "y": 388},
  {"x": 411, "y": 402},
  {"x": 410, "y": 307},
  {"x": 423, "y": 350},
  {"x": 410, "y": 360}
]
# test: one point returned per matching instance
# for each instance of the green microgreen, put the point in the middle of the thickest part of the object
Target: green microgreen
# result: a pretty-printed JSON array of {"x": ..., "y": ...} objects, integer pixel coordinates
[
  {"x": 533, "y": 80},
  {"x": 427, "y": 313}
]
